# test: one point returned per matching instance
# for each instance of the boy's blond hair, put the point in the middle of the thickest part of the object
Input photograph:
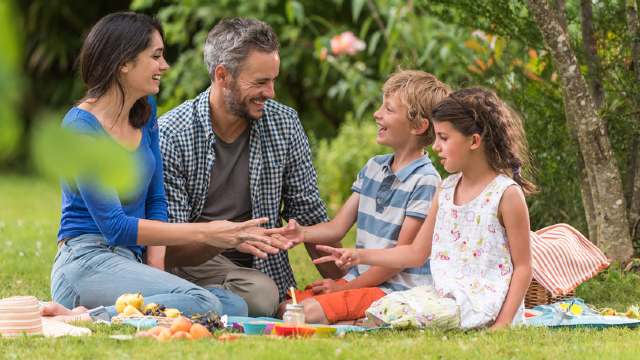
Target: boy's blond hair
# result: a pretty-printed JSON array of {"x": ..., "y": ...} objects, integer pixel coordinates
[{"x": 420, "y": 92}]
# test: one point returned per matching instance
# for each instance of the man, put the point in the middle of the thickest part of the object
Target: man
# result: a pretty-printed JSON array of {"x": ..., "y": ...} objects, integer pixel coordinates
[{"x": 233, "y": 153}]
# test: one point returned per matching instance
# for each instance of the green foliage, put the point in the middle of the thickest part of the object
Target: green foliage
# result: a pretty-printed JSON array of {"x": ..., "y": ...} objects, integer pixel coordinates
[
  {"x": 10, "y": 45},
  {"x": 612, "y": 288},
  {"x": 62, "y": 154}
]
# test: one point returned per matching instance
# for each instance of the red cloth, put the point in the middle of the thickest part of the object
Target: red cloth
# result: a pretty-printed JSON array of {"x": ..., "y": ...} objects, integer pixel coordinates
[{"x": 563, "y": 258}]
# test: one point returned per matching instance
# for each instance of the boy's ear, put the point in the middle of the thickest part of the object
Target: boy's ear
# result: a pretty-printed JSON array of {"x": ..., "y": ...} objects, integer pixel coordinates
[
  {"x": 476, "y": 141},
  {"x": 421, "y": 129}
]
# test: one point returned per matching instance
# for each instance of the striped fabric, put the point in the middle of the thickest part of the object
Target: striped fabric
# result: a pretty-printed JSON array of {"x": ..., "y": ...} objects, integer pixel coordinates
[
  {"x": 386, "y": 199},
  {"x": 563, "y": 258}
]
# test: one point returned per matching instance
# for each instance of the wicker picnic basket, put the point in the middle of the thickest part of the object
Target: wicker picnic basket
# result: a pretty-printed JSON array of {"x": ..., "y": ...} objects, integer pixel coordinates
[{"x": 538, "y": 295}]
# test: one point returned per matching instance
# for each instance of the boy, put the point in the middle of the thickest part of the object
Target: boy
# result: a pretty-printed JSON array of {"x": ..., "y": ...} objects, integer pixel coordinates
[{"x": 390, "y": 199}]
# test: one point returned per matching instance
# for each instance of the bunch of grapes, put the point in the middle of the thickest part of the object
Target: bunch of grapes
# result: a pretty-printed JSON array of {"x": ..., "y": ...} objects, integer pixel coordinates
[{"x": 210, "y": 320}]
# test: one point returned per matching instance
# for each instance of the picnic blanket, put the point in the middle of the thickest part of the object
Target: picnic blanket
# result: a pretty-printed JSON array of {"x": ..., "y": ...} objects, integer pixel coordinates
[
  {"x": 563, "y": 258},
  {"x": 574, "y": 313}
]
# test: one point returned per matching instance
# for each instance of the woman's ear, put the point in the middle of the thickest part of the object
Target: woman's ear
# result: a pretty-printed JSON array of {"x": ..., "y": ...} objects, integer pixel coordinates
[
  {"x": 422, "y": 127},
  {"x": 124, "y": 68},
  {"x": 476, "y": 141}
]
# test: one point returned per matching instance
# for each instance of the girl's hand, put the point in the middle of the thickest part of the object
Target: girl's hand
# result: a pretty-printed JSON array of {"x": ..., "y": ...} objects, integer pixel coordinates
[
  {"x": 291, "y": 234},
  {"x": 226, "y": 234},
  {"x": 343, "y": 257}
]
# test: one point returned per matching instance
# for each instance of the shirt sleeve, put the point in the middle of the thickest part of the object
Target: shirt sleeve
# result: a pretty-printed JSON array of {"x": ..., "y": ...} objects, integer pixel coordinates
[
  {"x": 357, "y": 184},
  {"x": 156, "y": 201},
  {"x": 301, "y": 196},
  {"x": 105, "y": 208},
  {"x": 175, "y": 184},
  {"x": 421, "y": 196}
]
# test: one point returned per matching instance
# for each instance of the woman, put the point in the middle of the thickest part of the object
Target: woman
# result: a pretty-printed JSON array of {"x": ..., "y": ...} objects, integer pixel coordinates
[{"x": 103, "y": 235}]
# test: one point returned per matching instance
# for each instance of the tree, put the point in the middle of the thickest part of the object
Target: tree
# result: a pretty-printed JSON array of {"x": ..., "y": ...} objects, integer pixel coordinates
[{"x": 612, "y": 225}]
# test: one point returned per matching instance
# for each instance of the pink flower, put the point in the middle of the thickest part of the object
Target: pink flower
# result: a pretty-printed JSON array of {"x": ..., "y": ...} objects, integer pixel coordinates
[{"x": 346, "y": 43}]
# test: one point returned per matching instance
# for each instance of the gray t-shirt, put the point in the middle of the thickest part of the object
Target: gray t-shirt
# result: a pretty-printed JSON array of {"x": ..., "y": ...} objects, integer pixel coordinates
[{"x": 229, "y": 197}]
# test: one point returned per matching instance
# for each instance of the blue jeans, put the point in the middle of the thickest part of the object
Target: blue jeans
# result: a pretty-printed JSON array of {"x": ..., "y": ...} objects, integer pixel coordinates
[{"x": 88, "y": 272}]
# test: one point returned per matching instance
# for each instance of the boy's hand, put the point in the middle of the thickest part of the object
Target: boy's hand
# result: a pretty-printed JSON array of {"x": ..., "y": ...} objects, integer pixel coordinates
[
  {"x": 325, "y": 286},
  {"x": 291, "y": 234},
  {"x": 343, "y": 257}
]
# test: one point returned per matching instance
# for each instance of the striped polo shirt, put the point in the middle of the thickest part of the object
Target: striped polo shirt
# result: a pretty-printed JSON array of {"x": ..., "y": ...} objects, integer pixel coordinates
[{"x": 385, "y": 199}]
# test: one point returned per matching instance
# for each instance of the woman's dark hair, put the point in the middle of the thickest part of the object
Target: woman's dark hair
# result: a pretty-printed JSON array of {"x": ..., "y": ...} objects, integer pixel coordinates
[
  {"x": 113, "y": 41},
  {"x": 480, "y": 111}
]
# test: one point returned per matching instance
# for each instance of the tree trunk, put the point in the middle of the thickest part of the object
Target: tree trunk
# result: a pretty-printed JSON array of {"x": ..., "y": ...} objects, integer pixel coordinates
[
  {"x": 611, "y": 212},
  {"x": 634, "y": 156},
  {"x": 591, "y": 51}
]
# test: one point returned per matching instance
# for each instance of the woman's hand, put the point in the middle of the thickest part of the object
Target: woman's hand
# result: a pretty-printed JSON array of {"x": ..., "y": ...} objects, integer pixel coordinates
[
  {"x": 226, "y": 234},
  {"x": 343, "y": 257}
]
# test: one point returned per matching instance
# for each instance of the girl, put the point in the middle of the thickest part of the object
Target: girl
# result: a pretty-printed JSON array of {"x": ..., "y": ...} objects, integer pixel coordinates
[
  {"x": 477, "y": 230},
  {"x": 102, "y": 240}
]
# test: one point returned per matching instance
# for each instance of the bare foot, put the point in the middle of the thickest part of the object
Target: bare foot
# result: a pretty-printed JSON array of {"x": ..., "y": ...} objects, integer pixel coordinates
[{"x": 60, "y": 313}]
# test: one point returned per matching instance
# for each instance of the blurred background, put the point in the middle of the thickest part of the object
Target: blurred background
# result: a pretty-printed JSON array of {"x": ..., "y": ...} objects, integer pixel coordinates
[{"x": 335, "y": 55}]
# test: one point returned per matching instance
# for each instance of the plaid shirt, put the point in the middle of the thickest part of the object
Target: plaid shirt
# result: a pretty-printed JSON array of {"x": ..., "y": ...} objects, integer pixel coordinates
[{"x": 281, "y": 175}]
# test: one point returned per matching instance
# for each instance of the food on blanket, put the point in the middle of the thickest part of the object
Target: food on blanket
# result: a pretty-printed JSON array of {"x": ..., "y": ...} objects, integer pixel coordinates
[
  {"x": 293, "y": 330},
  {"x": 229, "y": 337},
  {"x": 172, "y": 313},
  {"x": 608, "y": 312},
  {"x": 210, "y": 320},
  {"x": 198, "y": 331},
  {"x": 164, "y": 335},
  {"x": 154, "y": 309},
  {"x": 135, "y": 300},
  {"x": 181, "y": 335},
  {"x": 576, "y": 309},
  {"x": 633, "y": 312},
  {"x": 181, "y": 323},
  {"x": 130, "y": 311}
]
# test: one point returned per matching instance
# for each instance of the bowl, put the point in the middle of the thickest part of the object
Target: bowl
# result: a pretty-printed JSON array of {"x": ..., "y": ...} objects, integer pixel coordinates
[
  {"x": 293, "y": 330},
  {"x": 254, "y": 328},
  {"x": 325, "y": 331}
]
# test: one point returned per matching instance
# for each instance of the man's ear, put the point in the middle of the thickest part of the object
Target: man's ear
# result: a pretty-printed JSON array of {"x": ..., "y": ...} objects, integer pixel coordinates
[
  {"x": 221, "y": 75},
  {"x": 476, "y": 141},
  {"x": 422, "y": 127}
]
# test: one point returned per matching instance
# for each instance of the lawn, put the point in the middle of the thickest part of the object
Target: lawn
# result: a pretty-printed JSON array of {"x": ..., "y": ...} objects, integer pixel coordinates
[{"x": 28, "y": 223}]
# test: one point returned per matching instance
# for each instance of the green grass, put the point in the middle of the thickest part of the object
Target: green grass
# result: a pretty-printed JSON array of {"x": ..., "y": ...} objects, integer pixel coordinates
[{"x": 29, "y": 214}]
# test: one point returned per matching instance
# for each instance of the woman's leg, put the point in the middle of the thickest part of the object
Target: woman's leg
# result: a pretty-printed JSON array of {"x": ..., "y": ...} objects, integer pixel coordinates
[
  {"x": 232, "y": 304},
  {"x": 87, "y": 272}
]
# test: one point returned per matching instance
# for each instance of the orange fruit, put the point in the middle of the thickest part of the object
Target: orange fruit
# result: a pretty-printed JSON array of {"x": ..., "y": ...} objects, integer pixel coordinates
[
  {"x": 198, "y": 331},
  {"x": 181, "y": 335},
  {"x": 155, "y": 331},
  {"x": 181, "y": 323},
  {"x": 229, "y": 337},
  {"x": 164, "y": 335}
]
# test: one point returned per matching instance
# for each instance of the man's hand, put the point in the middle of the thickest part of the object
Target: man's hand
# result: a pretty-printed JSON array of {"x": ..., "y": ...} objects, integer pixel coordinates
[
  {"x": 291, "y": 235},
  {"x": 325, "y": 286},
  {"x": 343, "y": 257}
]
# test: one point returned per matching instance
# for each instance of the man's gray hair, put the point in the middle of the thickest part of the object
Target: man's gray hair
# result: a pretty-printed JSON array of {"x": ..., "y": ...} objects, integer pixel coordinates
[{"x": 231, "y": 40}]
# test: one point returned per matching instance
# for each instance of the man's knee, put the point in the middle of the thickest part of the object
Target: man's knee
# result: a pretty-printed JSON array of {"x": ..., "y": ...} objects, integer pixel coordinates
[{"x": 257, "y": 289}]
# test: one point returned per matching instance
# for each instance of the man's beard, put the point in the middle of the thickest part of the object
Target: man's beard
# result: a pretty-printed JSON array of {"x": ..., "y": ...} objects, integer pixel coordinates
[{"x": 235, "y": 105}]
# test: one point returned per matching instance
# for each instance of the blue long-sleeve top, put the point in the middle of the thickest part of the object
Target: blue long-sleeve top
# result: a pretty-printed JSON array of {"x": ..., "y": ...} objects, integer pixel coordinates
[{"x": 86, "y": 209}]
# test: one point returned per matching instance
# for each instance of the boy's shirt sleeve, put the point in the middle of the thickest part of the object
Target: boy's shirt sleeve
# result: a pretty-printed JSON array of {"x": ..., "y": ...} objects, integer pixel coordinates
[
  {"x": 421, "y": 196},
  {"x": 357, "y": 184}
]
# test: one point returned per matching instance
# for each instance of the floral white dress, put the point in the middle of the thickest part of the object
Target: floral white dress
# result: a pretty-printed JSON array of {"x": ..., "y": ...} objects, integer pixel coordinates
[
  {"x": 470, "y": 258},
  {"x": 470, "y": 263}
]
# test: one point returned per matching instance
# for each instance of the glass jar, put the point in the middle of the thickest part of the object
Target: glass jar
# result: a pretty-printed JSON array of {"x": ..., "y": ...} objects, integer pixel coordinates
[{"x": 294, "y": 314}]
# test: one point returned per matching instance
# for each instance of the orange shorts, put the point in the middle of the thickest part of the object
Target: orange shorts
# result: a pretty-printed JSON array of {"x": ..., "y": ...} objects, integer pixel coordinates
[{"x": 343, "y": 305}]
